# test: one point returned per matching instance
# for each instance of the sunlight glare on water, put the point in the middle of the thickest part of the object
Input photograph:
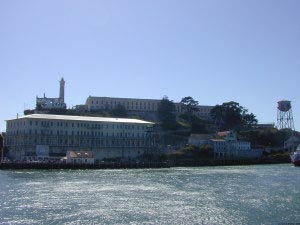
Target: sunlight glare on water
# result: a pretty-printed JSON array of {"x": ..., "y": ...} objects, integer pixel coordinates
[{"x": 263, "y": 194}]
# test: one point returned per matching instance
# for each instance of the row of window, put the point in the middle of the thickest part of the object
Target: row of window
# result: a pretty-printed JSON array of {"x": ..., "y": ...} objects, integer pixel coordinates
[
  {"x": 77, "y": 125},
  {"x": 78, "y": 133},
  {"x": 12, "y": 124},
  {"x": 93, "y": 107},
  {"x": 97, "y": 102},
  {"x": 128, "y": 105},
  {"x": 82, "y": 142}
]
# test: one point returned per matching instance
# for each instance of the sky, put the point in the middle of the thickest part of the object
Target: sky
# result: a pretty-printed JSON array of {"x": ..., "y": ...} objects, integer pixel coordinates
[{"x": 214, "y": 50}]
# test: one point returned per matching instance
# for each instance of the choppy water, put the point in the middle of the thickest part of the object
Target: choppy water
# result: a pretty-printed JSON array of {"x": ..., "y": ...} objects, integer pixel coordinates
[{"x": 264, "y": 194}]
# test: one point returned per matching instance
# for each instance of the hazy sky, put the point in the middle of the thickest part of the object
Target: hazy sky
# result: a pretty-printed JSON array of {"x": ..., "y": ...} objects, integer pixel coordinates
[{"x": 213, "y": 50}]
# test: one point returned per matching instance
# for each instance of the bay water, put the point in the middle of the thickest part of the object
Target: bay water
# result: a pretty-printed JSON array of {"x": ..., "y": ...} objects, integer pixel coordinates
[{"x": 258, "y": 194}]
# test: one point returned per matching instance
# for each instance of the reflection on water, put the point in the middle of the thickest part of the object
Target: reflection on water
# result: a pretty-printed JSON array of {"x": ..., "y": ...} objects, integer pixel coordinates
[{"x": 264, "y": 194}]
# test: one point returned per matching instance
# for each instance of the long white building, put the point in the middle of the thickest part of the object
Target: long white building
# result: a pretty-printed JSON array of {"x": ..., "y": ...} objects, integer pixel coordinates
[
  {"x": 142, "y": 107},
  {"x": 45, "y": 135}
]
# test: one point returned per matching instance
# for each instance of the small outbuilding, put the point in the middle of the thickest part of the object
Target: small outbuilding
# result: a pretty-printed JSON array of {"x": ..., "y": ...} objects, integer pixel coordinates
[{"x": 80, "y": 157}]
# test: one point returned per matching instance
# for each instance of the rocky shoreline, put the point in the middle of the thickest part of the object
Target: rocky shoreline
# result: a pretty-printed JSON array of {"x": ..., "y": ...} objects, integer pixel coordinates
[{"x": 148, "y": 164}]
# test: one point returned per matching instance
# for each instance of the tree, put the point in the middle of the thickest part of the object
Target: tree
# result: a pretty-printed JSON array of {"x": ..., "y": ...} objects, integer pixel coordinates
[
  {"x": 198, "y": 125},
  {"x": 166, "y": 114},
  {"x": 230, "y": 115},
  {"x": 190, "y": 106},
  {"x": 206, "y": 151},
  {"x": 119, "y": 111},
  {"x": 267, "y": 137},
  {"x": 38, "y": 106},
  {"x": 28, "y": 112}
]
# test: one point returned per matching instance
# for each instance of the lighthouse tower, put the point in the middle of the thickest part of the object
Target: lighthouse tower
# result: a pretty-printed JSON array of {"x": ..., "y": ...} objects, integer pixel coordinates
[{"x": 62, "y": 90}]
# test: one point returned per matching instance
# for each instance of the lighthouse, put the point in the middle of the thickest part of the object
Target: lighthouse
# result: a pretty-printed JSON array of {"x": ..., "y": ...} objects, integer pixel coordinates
[{"x": 62, "y": 90}]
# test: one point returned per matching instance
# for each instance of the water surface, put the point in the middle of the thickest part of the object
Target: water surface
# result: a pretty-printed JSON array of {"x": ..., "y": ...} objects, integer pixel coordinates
[{"x": 262, "y": 194}]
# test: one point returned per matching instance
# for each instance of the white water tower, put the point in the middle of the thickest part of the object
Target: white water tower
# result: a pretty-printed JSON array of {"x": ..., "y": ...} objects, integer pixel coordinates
[{"x": 285, "y": 115}]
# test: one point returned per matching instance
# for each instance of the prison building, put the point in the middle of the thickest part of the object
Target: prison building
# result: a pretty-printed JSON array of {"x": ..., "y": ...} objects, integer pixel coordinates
[{"x": 45, "y": 135}]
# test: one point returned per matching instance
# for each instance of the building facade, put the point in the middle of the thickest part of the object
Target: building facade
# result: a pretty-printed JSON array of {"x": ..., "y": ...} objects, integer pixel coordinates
[
  {"x": 225, "y": 145},
  {"x": 146, "y": 108},
  {"x": 45, "y": 135},
  {"x": 53, "y": 103}
]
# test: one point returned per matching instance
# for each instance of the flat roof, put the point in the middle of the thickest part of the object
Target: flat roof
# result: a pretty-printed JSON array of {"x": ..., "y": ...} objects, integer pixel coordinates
[
  {"x": 218, "y": 140},
  {"x": 141, "y": 99},
  {"x": 82, "y": 118}
]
